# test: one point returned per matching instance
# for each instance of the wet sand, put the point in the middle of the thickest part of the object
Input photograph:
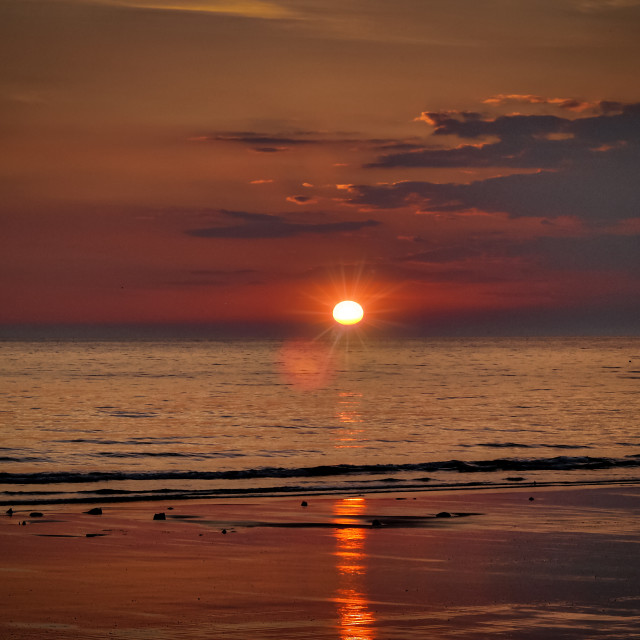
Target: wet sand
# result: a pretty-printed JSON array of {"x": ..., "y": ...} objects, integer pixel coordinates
[{"x": 563, "y": 565}]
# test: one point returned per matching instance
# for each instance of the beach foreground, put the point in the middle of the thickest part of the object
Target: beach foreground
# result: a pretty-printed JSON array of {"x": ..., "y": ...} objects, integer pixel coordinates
[{"x": 520, "y": 563}]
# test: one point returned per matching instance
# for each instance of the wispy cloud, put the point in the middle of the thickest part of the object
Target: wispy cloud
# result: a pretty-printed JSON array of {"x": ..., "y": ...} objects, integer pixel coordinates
[
  {"x": 258, "y": 225},
  {"x": 259, "y": 141},
  {"x": 588, "y": 252},
  {"x": 243, "y": 8},
  {"x": 274, "y": 142},
  {"x": 570, "y": 104}
]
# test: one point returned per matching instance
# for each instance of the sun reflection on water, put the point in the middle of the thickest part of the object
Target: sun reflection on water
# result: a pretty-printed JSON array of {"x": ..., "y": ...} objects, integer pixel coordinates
[
  {"x": 348, "y": 413},
  {"x": 356, "y": 618}
]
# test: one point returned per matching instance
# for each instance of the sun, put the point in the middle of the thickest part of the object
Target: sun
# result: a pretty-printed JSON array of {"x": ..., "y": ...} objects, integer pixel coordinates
[{"x": 348, "y": 312}]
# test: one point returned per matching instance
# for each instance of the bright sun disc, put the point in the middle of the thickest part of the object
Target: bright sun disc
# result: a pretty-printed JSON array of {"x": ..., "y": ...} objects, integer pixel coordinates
[{"x": 348, "y": 312}]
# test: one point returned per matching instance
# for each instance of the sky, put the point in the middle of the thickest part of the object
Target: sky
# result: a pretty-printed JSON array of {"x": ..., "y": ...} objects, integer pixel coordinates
[{"x": 456, "y": 166}]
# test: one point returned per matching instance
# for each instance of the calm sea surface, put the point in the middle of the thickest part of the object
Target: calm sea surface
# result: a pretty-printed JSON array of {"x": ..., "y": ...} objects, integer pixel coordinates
[{"x": 92, "y": 421}]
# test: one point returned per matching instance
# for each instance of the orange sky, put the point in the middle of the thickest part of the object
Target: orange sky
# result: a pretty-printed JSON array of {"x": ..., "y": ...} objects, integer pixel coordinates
[{"x": 462, "y": 166}]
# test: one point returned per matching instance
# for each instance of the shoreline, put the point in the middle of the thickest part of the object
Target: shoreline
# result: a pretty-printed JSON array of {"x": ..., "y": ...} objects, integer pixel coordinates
[
  {"x": 375, "y": 565},
  {"x": 296, "y": 491}
]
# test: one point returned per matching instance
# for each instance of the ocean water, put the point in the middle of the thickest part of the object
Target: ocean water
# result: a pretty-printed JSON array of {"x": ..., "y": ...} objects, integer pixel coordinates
[{"x": 137, "y": 420}]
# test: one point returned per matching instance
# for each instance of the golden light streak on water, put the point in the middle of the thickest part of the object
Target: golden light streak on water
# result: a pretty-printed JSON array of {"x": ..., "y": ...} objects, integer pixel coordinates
[{"x": 348, "y": 413}]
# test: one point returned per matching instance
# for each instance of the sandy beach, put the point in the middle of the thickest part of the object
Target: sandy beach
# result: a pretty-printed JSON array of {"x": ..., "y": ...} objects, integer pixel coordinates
[{"x": 520, "y": 563}]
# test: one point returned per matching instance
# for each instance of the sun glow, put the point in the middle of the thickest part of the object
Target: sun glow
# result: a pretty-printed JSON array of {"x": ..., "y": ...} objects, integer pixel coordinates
[
  {"x": 348, "y": 312},
  {"x": 346, "y": 284}
]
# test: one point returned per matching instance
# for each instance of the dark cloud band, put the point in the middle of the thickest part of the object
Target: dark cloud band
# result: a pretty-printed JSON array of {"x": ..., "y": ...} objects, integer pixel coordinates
[{"x": 256, "y": 226}]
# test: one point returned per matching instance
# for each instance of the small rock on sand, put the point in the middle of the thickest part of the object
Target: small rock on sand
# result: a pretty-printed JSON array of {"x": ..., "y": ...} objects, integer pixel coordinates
[
  {"x": 159, "y": 516},
  {"x": 443, "y": 514},
  {"x": 35, "y": 514},
  {"x": 96, "y": 511}
]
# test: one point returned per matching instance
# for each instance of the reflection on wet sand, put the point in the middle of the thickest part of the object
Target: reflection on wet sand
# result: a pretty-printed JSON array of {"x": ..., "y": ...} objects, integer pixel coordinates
[{"x": 356, "y": 618}]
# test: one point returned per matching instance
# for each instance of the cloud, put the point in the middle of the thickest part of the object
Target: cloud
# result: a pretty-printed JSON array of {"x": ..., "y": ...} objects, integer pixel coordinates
[
  {"x": 263, "y": 142},
  {"x": 275, "y": 142},
  {"x": 242, "y": 8},
  {"x": 270, "y": 149},
  {"x": 547, "y": 153},
  {"x": 611, "y": 116},
  {"x": 609, "y": 252},
  {"x": 570, "y": 104},
  {"x": 593, "y": 196},
  {"x": 258, "y": 225},
  {"x": 257, "y": 138},
  {"x": 301, "y": 199},
  {"x": 586, "y": 166},
  {"x": 473, "y": 125}
]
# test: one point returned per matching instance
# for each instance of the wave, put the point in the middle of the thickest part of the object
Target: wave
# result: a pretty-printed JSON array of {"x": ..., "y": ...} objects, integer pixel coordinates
[
  {"x": 558, "y": 463},
  {"x": 166, "y": 454},
  {"x": 520, "y": 445}
]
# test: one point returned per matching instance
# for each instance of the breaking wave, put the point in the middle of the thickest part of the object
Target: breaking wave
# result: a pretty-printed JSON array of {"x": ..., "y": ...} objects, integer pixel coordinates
[{"x": 558, "y": 463}]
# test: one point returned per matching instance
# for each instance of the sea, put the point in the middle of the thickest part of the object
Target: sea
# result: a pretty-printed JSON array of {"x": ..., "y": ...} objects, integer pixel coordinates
[{"x": 93, "y": 421}]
